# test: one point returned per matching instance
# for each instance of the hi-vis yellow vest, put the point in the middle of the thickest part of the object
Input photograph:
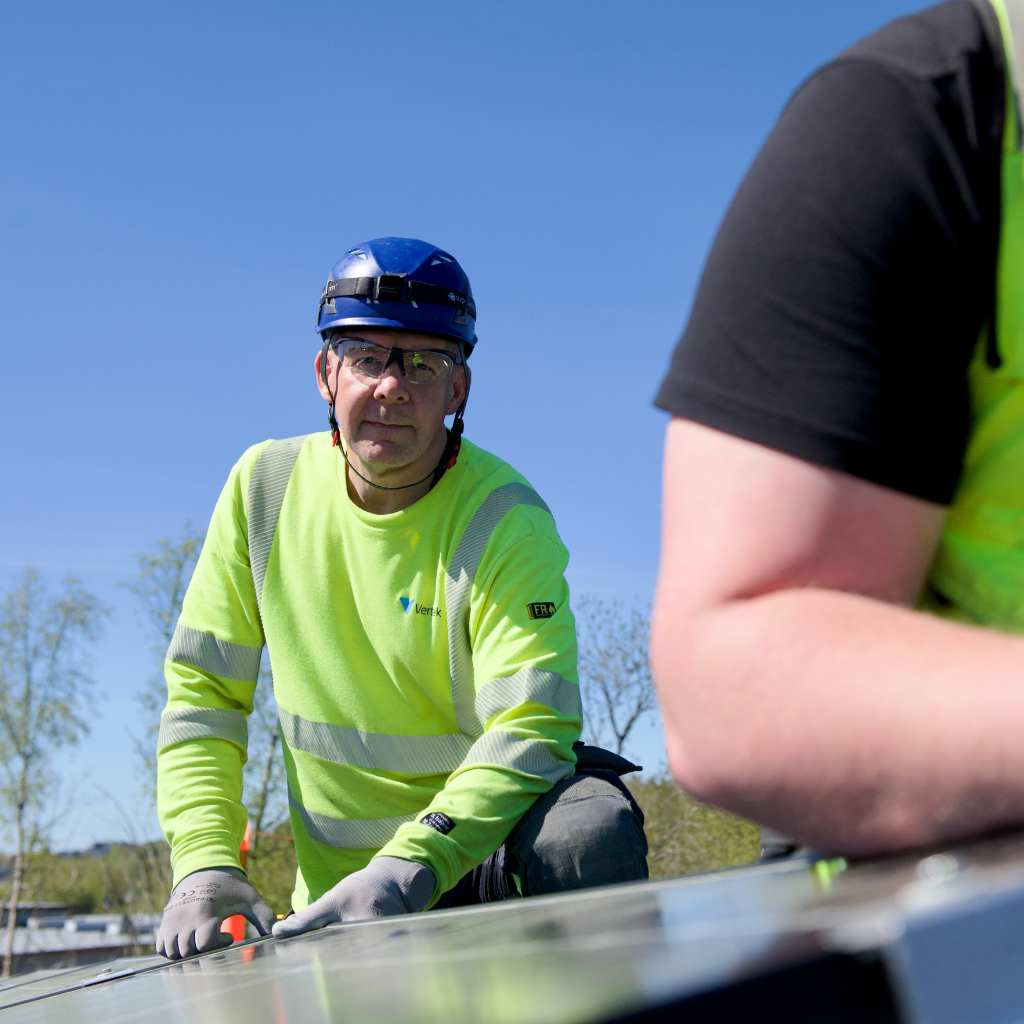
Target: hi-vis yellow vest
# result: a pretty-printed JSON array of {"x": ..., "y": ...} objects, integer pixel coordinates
[{"x": 979, "y": 567}]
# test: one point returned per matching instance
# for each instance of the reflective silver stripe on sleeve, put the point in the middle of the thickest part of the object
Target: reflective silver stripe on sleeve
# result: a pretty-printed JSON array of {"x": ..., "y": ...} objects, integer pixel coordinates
[
  {"x": 418, "y": 755},
  {"x": 267, "y": 485},
  {"x": 538, "y": 686},
  {"x": 458, "y": 585},
  {"x": 531, "y": 757},
  {"x": 178, "y": 724},
  {"x": 204, "y": 651},
  {"x": 348, "y": 833}
]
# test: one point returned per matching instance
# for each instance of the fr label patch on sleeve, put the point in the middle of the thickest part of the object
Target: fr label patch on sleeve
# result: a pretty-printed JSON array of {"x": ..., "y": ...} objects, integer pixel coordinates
[{"x": 541, "y": 609}]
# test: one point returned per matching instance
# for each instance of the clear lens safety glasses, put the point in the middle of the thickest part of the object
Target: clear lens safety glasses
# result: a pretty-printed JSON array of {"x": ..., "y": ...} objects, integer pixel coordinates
[{"x": 365, "y": 360}]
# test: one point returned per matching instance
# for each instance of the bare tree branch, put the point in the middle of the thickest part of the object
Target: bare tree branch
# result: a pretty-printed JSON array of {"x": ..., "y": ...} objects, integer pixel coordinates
[
  {"x": 43, "y": 689},
  {"x": 160, "y": 586},
  {"x": 263, "y": 776},
  {"x": 162, "y": 580},
  {"x": 615, "y": 675}
]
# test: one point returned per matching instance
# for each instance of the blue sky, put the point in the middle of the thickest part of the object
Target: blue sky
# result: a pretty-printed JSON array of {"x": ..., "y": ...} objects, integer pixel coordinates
[{"x": 177, "y": 180}]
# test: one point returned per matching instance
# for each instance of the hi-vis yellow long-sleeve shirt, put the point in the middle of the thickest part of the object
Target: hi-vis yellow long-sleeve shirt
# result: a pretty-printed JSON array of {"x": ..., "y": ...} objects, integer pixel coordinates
[{"x": 424, "y": 666}]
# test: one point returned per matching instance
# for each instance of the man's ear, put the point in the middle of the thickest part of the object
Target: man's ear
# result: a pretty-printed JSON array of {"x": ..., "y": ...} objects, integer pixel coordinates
[
  {"x": 319, "y": 379},
  {"x": 460, "y": 383}
]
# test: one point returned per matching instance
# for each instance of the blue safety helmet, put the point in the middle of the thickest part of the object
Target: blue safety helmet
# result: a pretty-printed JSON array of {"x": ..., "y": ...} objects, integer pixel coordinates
[{"x": 399, "y": 284}]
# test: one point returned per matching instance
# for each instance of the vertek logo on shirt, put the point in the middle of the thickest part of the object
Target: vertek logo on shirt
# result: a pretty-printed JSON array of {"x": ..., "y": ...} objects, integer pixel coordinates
[{"x": 410, "y": 606}]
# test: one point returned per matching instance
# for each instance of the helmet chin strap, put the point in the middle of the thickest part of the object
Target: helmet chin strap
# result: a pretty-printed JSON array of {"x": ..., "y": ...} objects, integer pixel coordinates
[{"x": 449, "y": 456}]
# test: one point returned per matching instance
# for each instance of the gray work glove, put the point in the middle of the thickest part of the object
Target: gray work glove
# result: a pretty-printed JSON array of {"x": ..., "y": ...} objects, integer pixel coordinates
[
  {"x": 386, "y": 886},
  {"x": 192, "y": 917}
]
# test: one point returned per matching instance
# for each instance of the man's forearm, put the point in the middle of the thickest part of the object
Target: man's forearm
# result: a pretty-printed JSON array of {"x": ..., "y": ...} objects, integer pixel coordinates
[
  {"x": 199, "y": 791},
  {"x": 851, "y": 724}
]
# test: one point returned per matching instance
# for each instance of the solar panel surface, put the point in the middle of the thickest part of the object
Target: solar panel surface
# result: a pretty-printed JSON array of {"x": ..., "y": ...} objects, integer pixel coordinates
[{"x": 601, "y": 954}]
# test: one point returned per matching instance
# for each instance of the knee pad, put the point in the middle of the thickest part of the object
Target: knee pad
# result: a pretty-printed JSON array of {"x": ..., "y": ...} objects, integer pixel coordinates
[{"x": 582, "y": 833}]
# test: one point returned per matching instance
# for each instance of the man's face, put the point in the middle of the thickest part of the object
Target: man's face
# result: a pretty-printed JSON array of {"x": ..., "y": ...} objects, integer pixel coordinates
[{"x": 391, "y": 422}]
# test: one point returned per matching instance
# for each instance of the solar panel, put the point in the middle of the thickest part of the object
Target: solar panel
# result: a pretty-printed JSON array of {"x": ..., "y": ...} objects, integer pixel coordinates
[{"x": 926, "y": 940}]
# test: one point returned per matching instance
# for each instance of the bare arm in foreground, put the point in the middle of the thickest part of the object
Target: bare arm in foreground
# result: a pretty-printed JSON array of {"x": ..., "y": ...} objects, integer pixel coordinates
[{"x": 797, "y": 685}]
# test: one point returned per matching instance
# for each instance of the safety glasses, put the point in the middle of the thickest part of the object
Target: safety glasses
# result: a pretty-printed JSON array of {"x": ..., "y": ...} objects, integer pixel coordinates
[{"x": 367, "y": 361}]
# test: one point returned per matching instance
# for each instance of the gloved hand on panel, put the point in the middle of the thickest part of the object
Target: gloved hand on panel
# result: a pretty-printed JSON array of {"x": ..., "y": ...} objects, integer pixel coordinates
[
  {"x": 200, "y": 902},
  {"x": 386, "y": 886}
]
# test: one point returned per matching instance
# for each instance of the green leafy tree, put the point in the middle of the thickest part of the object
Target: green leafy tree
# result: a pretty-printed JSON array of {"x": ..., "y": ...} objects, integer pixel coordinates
[
  {"x": 44, "y": 687},
  {"x": 687, "y": 836}
]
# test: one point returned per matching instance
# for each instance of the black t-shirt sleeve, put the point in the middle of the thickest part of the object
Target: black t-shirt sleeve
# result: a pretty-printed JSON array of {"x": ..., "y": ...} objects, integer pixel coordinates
[{"x": 854, "y": 271}]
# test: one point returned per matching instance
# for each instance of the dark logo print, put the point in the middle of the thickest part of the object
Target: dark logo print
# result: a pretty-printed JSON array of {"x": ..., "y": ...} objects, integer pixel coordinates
[
  {"x": 438, "y": 822},
  {"x": 541, "y": 609}
]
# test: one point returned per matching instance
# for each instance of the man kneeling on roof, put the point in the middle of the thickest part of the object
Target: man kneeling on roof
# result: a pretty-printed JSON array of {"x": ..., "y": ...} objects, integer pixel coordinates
[{"x": 409, "y": 589}]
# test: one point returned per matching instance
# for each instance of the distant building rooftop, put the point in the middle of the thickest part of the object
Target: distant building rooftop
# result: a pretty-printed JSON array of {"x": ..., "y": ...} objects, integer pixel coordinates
[
  {"x": 27, "y": 910},
  {"x": 49, "y": 940}
]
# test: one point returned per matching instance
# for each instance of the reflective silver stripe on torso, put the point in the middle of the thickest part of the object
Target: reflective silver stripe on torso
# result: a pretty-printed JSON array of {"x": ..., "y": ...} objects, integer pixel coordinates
[
  {"x": 458, "y": 585},
  {"x": 421, "y": 755},
  {"x": 439, "y": 754},
  {"x": 348, "y": 833},
  {"x": 179, "y": 724},
  {"x": 267, "y": 487},
  {"x": 204, "y": 651},
  {"x": 533, "y": 685}
]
